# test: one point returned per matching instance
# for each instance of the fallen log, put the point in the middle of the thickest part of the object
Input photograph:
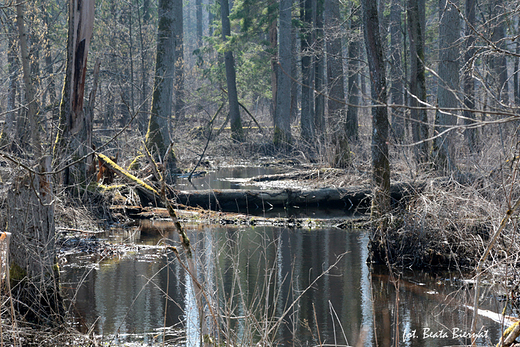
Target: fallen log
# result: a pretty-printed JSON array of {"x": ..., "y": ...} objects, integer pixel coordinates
[{"x": 237, "y": 200}]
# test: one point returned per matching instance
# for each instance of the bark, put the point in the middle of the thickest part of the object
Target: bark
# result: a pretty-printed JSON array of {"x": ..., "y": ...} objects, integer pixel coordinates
[
  {"x": 448, "y": 85},
  {"x": 335, "y": 80},
  {"x": 9, "y": 130},
  {"x": 469, "y": 87},
  {"x": 237, "y": 132},
  {"x": 72, "y": 133},
  {"x": 32, "y": 253},
  {"x": 376, "y": 64},
  {"x": 273, "y": 41},
  {"x": 335, "y": 85},
  {"x": 396, "y": 71},
  {"x": 158, "y": 135},
  {"x": 319, "y": 70},
  {"x": 498, "y": 61},
  {"x": 282, "y": 120},
  {"x": 416, "y": 13},
  {"x": 307, "y": 101},
  {"x": 142, "y": 21},
  {"x": 30, "y": 89},
  {"x": 354, "y": 52},
  {"x": 237, "y": 200},
  {"x": 179, "y": 61}
]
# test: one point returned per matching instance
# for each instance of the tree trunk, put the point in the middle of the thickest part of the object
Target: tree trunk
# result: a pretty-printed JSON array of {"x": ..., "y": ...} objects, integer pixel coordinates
[
  {"x": 354, "y": 52},
  {"x": 307, "y": 108},
  {"x": 9, "y": 130},
  {"x": 396, "y": 72},
  {"x": 418, "y": 114},
  {"x": 448, "y": 86},
  {"x": 282, "y": 121},
  {"x": 238, "y": 200},
  {"x": 30, "y": 211},
  {"x": 30, "y": 90},
  {"x": 376, "y": 64},
  {"x": 319, "y": 71},
  {"x": 72, "y": 133},
  {"x": 469, "y": 87},
  {"x": 498, "y": 63},
  {"x": 335, "y": 85},
  {"x": 158, "y": 135},
  {"x": 179, "y": 61},
  {"x": 237, "y": 132}
]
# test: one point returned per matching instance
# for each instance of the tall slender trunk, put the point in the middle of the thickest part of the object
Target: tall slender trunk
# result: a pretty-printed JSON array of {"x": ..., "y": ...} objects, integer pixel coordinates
[
  {"x": 158, "y": 135},
  {"x": 498, "y": 60},
  {"x": 468, "y": 83},
  {"x": 418, "y": 115},
  {"x": 180, "y": 104},
  {"x": 282, "y": 121},
  {"x": 376, "y": 64},
  {"x": 8, "y": 133},
  {"x": 448, "y": 86},
  {"x": 307, "y": 108},
  {"x": 319, "y": 70},
  {"x": 354, "y": 52},
  {"x": 336, "y": 85},
  {"x": 237, "y": 132},
  {"x": 396, "y": 89},
  {"x": 30, "y": 88}
]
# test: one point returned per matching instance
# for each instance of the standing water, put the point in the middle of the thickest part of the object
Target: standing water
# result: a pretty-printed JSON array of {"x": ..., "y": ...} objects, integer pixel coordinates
[{"x": 272, "y": 285}]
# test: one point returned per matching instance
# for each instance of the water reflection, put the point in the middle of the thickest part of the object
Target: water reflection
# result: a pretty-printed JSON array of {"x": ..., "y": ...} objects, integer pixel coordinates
[
  {"x": 252, "y": 277},
  {"x": 220, "y": 179}
]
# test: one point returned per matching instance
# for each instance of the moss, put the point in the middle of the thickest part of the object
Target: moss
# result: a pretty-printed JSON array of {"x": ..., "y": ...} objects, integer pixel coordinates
[
  {"x": 281, "y": 139},
  {"x": 129, "y": 176},
  {"x": 136, "y": 163},
  {"x": 16, "y": 274}
]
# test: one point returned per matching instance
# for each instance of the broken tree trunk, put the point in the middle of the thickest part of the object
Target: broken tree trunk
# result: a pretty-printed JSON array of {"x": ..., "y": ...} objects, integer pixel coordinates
[
  {"x": 72, "y": 132},
  {"x": 235, "y": 200}
]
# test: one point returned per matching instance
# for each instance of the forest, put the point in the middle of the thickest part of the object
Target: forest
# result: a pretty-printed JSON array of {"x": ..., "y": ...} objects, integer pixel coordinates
[{"x": 402, "y": 114}]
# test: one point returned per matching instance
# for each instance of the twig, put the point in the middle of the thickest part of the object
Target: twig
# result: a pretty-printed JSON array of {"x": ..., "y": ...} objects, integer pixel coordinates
[{"x": 207, "y": 142}]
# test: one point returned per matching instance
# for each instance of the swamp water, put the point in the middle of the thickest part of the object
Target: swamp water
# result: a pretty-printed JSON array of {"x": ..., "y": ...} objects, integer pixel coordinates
[
  {"x": 298, "y": 287},
  {"x": 253, "y": 275}
]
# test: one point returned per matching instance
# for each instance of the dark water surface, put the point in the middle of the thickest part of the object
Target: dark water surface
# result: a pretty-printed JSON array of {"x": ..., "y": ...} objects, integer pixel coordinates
[{"x": 252, "y": 275}]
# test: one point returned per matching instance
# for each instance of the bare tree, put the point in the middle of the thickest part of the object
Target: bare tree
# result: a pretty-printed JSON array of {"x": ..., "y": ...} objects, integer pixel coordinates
[
  {"x": 396, "y": 71},
  {"x": 30, "y": 218},
  {"x": 282, "y": 119},
  {"x": 416, "y": 27},
  {"x": 376, "y": 63},
  {"x": 71, "y": 137},
  {"x": 353, "y": 71},
  {"x": 336, "y": 84},
  {"x": 158, "y": 135},
  {"x": 237, "y": 132},
  {"x": 448, "y": 86}
]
